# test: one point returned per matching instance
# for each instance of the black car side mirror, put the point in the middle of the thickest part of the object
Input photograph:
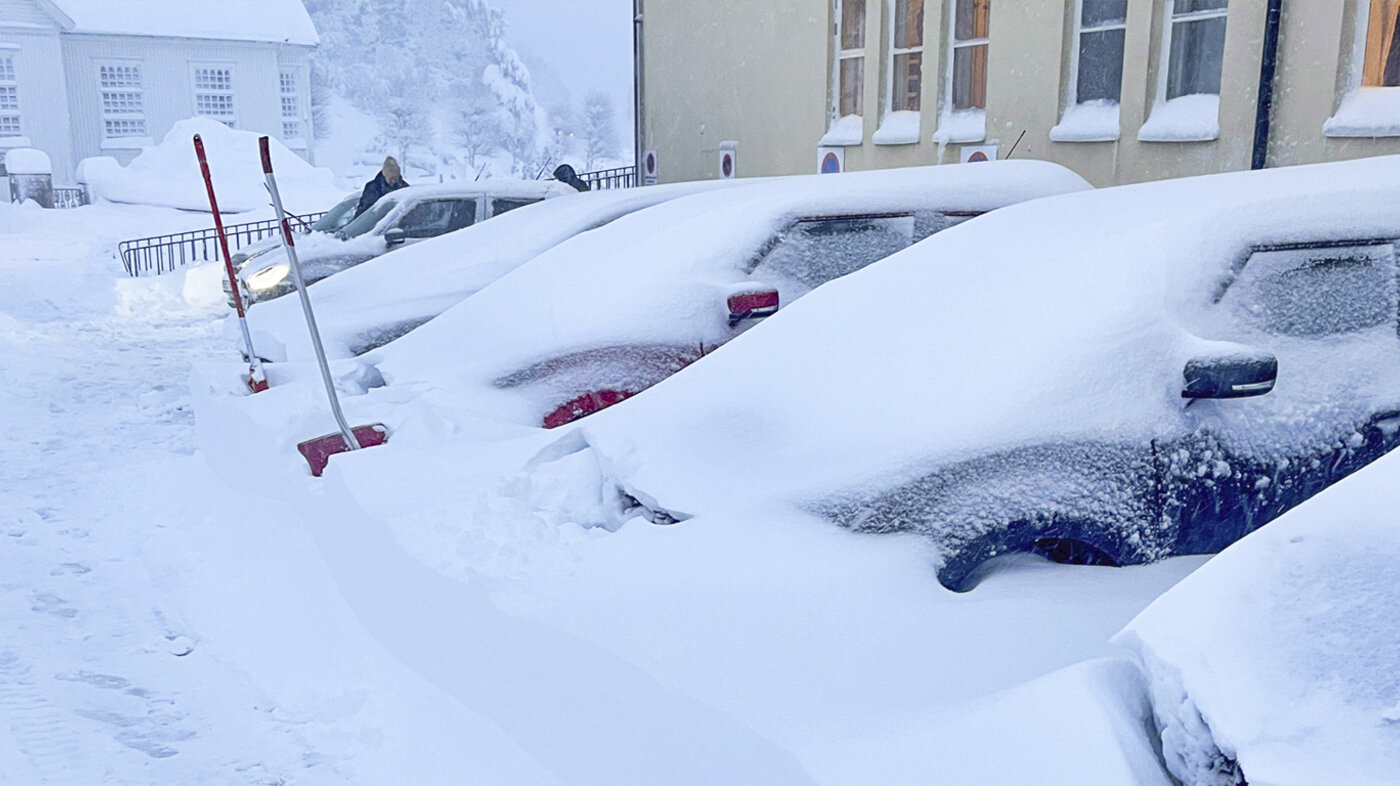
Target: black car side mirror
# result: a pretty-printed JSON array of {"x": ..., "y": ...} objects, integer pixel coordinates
[
  {"x": 1230, "y": 376},
  {"x": 394, "y": 237}
]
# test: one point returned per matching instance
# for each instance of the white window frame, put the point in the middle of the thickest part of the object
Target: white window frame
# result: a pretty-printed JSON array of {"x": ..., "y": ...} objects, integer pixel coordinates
[
  {"x": 1169, "y": 22},
  {"x": 893, "y": 6},
  {"x": 231, "y": 92},
  {"x": 1072, "y": 101},
  {"x": 103, "y": 89},
  {"x": 289, "y": 87},
  {"x": 1364, "y": 111},
  {"x": 10, "y": 78},
  {"x": 1153, "y": 132},
  {"x": 1080, "y": 30},
  {"x": 845, "y": 54},
  {"x": 946, "y": 133},
  {"x": 888, "y": 133}
]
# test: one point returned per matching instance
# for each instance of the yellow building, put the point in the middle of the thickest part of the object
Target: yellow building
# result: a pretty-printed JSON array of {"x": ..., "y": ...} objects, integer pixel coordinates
[{"x": 1118, "y": 90}]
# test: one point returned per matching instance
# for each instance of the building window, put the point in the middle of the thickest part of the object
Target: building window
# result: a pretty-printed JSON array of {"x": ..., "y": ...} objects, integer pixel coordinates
[
  {"x": 213, "y": 93},
  {"x": 1099, "y": 73},
  {"x": 9, "y": 97},
  {"x": 291, "y": 105},
  {"x": 907, "y": 55},
  {"x": 969, "y": 45},
  {"x": 1382, "y": 64},
  {"x": 1197, "y": 46},
  {"x": 123, "y": 100},
  {"x": 850, "y": 43}
]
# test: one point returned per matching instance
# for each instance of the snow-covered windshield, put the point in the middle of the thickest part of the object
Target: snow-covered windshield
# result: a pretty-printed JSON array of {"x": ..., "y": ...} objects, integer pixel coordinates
[
  {"x": 368, "y": 219},
  {"x": 813, "y": 251},
  {"x": 338, "y": 216}
]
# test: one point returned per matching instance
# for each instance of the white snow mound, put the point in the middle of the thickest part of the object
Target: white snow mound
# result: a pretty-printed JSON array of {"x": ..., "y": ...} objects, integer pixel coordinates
[
  {"x": 168, "y": 174},
  {"x": 1279, "y": 660}
]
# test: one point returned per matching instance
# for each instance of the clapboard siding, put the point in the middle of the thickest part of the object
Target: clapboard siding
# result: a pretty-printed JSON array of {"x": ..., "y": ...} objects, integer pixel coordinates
[
  {"x": 24, "y": 12},
  {"x": 41, "y": 92},
  {"x": 167, "y": 67}
]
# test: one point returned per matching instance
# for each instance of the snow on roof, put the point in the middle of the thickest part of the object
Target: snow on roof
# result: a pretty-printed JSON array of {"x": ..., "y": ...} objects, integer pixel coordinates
[{"x": 272, "y": 21}]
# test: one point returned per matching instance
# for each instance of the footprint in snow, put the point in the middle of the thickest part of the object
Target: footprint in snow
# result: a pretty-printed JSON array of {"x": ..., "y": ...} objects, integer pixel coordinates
[
  {"x": 70, "y": 569},
  {"x": 49, "y": 603}
]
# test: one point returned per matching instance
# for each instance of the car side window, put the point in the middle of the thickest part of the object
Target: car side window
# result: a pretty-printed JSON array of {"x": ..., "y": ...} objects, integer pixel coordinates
[
  {"x": 434, "y": 217},
  {"x": 499, "y": 206},
  {"x": 816, "y": 250},
  {"x": 1314, "y": 292}
]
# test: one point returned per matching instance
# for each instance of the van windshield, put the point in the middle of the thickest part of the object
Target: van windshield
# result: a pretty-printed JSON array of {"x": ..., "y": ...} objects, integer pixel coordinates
[{"x": 338, "y": 216}]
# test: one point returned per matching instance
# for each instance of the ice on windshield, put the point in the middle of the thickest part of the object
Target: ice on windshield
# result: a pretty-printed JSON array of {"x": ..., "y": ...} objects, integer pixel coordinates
[{"x": 1315, "y": 292}]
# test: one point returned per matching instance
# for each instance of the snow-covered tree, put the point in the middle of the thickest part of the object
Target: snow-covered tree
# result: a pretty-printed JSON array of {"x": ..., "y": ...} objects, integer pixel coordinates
[{"x": 598, "y": 130}]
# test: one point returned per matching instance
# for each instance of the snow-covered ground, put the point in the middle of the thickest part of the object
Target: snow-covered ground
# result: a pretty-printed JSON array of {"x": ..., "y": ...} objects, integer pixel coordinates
[{"x": 182, "y": 605}]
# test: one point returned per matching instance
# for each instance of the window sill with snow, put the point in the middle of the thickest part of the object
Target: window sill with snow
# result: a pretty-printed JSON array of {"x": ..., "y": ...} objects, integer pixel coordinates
[
  {"x": 846, "y": 132},
  {"x": 1192, "y": 118},
  {"x": 898, "y": 128},
  {"x": 7, "y": 142},
  {"x": 128, "y": 143},
  {"x": 1090, "y": 121},
  {"x": 1368, "y": 112},
  {"x": 963, "y": 125}
]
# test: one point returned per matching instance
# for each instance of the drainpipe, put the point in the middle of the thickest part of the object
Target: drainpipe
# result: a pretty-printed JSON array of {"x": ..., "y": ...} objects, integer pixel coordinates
[
  {"x": 1267, "y": 67},
  {"x": 638, "y": 97}
]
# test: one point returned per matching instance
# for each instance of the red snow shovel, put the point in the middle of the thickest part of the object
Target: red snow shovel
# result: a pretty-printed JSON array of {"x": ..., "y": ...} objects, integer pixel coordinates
[
  {"x": 317, "y": 451},
  {"x": 257, "y": 380}
]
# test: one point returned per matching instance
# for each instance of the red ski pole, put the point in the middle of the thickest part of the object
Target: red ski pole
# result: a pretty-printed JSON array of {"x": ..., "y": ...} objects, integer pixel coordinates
[
  {"x": 318, "y": 450},
  {"x": 257, "y": 380}
]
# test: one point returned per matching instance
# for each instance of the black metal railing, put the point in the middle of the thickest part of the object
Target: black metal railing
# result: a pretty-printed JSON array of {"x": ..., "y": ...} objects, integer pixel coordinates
[
  {"x": 165, "y": 253},
  {"x": 619, "y": 177}
]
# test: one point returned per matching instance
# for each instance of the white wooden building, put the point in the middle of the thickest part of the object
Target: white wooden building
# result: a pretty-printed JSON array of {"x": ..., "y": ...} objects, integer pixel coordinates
[{"x": 82, "y": 78}]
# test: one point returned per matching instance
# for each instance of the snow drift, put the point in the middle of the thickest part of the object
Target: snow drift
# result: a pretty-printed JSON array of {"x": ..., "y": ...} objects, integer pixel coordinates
[
  {"x": 1279, "y": 660},
  {"x": 167, "y": 174}
]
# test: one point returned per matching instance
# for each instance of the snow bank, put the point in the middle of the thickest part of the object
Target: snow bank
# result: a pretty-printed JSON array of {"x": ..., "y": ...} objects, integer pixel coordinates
[
  {"x": 168, "y": 174},
  {"x": 274, "y": 21},
  {"x": 27, "y": 161},
  {"x": 1280, "y": 658},
  {"x": 1193, "y": 118}
]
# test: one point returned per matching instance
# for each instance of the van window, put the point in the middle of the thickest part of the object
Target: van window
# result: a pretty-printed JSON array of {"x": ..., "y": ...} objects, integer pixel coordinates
[
  {"x": 433, "y": 217},
  {"x": 499, "y": 206},
  {"x": 813, "y": 251}
]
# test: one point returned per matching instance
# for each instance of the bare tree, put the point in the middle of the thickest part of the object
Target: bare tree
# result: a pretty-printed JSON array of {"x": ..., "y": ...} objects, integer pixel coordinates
[{"x": 597, "y": 129}]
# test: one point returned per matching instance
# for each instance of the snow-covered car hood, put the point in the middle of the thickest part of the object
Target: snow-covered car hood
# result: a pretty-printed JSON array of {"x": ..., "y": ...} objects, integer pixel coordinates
[
  {"x": 1059, "y": 320},
  {"x": 657, "y": 280},
  {"x": 420, "y": 281},
  {"x": 311, "y": 247}
]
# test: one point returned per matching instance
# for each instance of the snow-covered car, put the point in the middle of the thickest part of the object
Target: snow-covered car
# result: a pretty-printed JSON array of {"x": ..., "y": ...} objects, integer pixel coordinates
[
  {"x": 372, "y": 303},
  {"x": 335, "y": 218},
  {"x": 1276, "y": 661},
  {"x": 1109, "y": 377},
  {"x": 399, "y": 218},
  {"x": 614, "y": 311}
]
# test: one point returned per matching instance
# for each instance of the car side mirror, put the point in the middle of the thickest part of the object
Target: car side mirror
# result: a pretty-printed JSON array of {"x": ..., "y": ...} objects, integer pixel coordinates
[
  {"x": 752, "y": 304},
  {"x": 1230, "y": 376},
  {"x": 394, "y": 237}
]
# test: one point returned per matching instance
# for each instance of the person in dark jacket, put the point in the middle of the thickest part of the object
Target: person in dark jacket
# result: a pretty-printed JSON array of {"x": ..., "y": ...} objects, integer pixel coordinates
[
  {"x": 388, "y": 179},
  {"x": 566, "y": 174}
]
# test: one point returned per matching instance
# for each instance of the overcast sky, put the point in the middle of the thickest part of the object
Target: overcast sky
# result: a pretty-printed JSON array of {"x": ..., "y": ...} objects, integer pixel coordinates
[{"x": 581, "y": 45}]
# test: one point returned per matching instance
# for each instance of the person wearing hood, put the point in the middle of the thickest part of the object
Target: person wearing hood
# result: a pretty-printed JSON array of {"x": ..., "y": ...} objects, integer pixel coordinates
[{"x": 388, "y": 179}]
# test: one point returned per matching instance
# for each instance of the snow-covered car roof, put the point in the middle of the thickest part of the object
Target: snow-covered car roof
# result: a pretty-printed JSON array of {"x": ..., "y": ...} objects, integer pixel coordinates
[
  {"x": 419, "y": 282},
  {"x": 494, "y": 187},
  {"x": 659, "y": 278},
  {"x": 1041, "y": 323},
  {"x": 1278, "y": 658}
]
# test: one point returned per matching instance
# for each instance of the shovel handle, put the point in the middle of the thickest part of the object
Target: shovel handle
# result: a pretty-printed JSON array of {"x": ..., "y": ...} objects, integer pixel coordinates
[{"x": 266, "y": 155}]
